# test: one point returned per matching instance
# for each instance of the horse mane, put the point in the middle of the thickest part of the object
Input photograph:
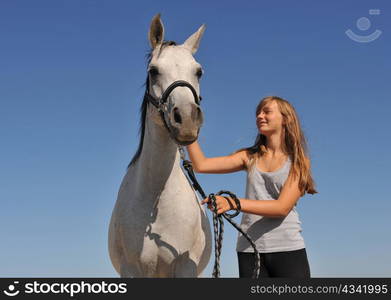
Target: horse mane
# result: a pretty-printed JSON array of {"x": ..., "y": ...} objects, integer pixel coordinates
[{"x": 144, "y": 105}]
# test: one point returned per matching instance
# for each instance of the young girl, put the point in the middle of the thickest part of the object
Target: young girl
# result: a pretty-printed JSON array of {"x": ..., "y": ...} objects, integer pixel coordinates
[{"x": 278, "y": 174}]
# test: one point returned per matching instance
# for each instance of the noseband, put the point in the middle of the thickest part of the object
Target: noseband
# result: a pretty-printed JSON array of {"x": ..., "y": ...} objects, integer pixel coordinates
[{"x": 160, "y": 103}]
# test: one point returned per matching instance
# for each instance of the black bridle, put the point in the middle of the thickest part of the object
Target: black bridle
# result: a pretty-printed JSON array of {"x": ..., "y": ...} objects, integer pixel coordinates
[{"x": 161, "y": 103}]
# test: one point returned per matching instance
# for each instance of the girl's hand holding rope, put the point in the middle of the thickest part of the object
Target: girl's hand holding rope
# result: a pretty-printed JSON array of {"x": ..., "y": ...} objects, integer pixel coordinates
[{"x": 223, "y": 204}]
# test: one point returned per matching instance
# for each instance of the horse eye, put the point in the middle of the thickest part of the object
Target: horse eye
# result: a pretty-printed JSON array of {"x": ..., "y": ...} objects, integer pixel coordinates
[
  {"x": 199, "y": 73},
  {"x": 153, "y": 71}
]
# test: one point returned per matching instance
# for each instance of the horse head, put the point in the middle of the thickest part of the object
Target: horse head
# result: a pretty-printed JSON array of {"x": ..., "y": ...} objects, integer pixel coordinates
[{"x": 173, "y": 84}]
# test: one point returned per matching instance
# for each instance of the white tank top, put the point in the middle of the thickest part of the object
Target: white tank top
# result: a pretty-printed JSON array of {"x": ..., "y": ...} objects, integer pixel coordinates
[{"x": 269, "y": 234}]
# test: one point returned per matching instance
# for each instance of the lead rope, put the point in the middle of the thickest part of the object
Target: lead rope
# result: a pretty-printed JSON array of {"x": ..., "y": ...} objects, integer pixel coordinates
[{"x": 218, "y": 223}]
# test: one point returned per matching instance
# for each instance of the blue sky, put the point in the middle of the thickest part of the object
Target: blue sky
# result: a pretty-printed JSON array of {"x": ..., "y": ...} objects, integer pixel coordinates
[{"x": 71, "y": 83}]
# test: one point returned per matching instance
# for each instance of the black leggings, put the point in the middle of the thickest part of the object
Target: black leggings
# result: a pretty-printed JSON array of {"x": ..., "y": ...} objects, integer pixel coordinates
[{"x": 289, "y": 264}]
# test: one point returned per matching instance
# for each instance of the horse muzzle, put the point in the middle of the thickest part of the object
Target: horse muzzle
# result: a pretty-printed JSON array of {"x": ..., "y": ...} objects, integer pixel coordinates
[{"x": 184, "y": 123}]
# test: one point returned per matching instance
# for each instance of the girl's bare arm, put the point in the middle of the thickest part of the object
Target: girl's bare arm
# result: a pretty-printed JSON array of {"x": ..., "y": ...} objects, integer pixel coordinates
[{"x": 219, "y": 165}]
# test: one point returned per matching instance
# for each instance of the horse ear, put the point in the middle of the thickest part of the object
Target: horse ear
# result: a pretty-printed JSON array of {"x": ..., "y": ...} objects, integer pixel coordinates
[
  {"x": 193, "y": 42},
  {"x": 156, "y": 32}
]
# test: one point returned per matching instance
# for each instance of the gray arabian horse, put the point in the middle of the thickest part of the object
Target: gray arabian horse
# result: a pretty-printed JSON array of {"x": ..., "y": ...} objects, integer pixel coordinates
[{"x": 158, "y": 227}]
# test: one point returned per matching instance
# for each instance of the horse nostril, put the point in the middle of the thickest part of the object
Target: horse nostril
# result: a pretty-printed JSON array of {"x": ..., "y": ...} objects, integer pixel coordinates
[{"x": 177, "y": 116}]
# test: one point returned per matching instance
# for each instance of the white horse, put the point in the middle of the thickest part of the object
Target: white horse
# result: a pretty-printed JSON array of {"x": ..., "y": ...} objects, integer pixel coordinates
[{"x": 158, "y": 227}]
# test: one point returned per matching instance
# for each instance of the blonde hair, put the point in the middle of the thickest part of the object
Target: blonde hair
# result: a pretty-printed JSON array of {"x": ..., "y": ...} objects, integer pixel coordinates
[{"x": 294, "y": 145}]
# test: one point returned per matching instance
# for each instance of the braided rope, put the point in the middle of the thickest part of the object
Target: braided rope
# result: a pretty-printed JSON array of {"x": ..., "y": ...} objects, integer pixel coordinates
[
  {"x": 218, "y": 226},
  {"x": 218, "y": 233}
]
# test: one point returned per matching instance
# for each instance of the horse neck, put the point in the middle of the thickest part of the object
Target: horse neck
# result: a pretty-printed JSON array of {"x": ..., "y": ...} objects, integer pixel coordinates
[{"x": 159, "y": 156}]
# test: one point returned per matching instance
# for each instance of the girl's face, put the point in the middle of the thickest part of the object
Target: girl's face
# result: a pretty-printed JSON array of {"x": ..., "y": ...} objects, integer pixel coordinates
[{"x": 269, "y": 119}]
